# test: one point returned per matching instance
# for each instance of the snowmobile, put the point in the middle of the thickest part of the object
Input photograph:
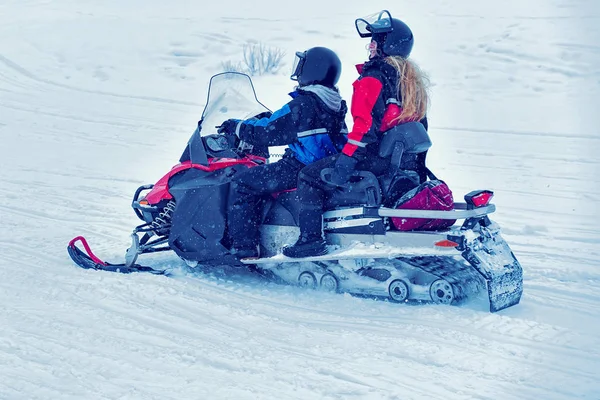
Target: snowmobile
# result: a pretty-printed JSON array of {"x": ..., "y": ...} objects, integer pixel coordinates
[{"x": 186, "y": 210}]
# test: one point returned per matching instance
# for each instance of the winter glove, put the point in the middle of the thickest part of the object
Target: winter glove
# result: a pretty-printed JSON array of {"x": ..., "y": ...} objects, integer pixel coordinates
[
  {"x": 341, "y": 172},
  {"x": 228, "y": 127}
]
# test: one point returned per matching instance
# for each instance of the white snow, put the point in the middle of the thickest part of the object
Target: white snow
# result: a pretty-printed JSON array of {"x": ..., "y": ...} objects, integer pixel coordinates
[{"x": 99, "y": 97}]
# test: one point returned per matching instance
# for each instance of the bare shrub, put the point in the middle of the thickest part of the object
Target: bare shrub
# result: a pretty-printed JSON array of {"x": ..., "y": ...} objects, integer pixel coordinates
[
  {"x": 260, "y": 59},
  {"x": 230, "y": 66}
]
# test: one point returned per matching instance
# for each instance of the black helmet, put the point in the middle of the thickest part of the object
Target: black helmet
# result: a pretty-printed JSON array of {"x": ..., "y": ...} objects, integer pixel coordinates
[
  {"x": 318, "y": 65},
  {"x": 393, "y": 37}
]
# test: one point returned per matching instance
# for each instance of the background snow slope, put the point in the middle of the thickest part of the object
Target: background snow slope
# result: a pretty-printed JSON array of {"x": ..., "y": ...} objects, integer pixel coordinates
[{"x": 97, "y": 98}]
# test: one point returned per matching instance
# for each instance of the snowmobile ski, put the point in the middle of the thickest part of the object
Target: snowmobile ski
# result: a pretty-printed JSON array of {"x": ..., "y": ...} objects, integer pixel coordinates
[{"x": 88, "y": 260}]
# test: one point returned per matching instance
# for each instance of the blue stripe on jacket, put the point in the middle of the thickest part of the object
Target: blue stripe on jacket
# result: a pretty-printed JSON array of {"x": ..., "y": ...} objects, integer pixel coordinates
[
  {"x": 303, "y": 113},
  {"x": 313, "y": 148},
  {"x": 263, "y": 122}
]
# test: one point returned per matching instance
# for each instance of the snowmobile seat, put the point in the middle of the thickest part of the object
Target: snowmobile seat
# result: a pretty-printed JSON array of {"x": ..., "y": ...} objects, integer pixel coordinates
[
  {"x": 400, "y": 144},
  {"x": 363, "y": 190}
]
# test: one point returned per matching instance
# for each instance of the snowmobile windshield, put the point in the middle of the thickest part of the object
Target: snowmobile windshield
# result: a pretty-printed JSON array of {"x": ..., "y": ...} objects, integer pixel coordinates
[
  {"x": 230, "y": 95},
  {"x": 380, "y": 22}
]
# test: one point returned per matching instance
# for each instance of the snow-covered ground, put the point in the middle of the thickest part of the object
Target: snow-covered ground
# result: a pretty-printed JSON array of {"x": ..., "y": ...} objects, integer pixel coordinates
[{"x": 97, "y": 98}]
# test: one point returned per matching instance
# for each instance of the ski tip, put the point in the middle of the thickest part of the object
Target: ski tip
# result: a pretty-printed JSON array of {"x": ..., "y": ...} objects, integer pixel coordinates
[{"x": 87, "y": 248}]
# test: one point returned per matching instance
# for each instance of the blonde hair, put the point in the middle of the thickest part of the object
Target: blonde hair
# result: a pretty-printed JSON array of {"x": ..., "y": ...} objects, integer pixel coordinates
[{"x": 413, "y": 87}]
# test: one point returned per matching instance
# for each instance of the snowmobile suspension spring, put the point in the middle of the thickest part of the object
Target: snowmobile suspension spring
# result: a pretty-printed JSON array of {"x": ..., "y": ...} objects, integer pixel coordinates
[{"x": 164, "y": 217}]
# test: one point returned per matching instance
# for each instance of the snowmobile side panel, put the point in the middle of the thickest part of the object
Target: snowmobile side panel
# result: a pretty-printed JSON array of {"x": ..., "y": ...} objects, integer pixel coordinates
[
  {"x": 198, "y": 226},
  {"x": 196, "y": 233}
]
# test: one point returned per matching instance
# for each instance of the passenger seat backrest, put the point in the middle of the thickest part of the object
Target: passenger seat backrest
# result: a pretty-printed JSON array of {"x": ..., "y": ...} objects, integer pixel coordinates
[{"x": 410, "y": 137}]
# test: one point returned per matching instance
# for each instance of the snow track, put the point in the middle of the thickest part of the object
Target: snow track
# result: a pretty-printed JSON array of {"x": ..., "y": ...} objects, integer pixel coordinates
[
  {"x": 89, "y": 331},
  {"x": 87, "y": 115}
]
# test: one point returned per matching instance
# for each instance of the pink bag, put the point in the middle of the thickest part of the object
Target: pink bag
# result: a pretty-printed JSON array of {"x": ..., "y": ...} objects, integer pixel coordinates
[{"x": 430, "y": 195}]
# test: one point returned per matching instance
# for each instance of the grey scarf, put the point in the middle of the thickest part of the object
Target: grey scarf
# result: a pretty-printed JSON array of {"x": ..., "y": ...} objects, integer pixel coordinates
[{"x": 330, "y": 97}]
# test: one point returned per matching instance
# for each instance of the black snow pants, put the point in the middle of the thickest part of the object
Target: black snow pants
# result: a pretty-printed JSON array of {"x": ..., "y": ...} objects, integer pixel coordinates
[
  {"x": 313, "y": 192},
  {"x": 249, "y": 189}
]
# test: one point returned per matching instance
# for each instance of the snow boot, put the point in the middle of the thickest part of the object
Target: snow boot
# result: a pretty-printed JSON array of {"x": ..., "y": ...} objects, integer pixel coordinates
[
  {"x": 306, "y": 247},
  {"x": 311, "y": 242}
]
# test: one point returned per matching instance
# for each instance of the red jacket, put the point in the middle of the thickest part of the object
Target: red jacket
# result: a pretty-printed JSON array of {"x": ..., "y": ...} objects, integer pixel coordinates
[{"x": 375, "y": 103}]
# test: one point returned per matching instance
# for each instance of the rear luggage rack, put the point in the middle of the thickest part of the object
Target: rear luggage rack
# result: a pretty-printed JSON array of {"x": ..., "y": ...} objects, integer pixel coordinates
[{"x": 461, "y": 211}]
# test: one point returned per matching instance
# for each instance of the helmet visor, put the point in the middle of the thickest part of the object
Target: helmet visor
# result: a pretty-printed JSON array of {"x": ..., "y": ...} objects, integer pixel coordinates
[
  {"x": 298, "y": 64},
  {"x": 380, "y": 22}
]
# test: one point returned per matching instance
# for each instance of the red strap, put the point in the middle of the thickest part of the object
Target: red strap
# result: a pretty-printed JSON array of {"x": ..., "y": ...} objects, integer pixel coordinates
[{"x": 87, "y": 249}]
